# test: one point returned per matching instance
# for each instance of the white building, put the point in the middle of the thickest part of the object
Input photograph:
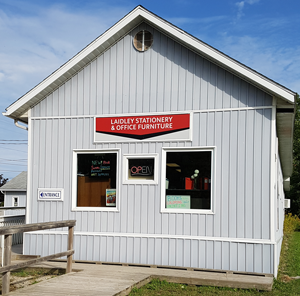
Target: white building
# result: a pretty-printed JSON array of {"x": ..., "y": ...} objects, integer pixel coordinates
[
  {"x": 165, "y": 151},
  {"x": 15, "y": 198},
  {"x": 15, "y": 192}
]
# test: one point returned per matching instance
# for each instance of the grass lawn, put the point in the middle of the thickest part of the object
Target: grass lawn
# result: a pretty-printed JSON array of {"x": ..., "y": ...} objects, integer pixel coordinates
[{"x": 284, "y": 285}]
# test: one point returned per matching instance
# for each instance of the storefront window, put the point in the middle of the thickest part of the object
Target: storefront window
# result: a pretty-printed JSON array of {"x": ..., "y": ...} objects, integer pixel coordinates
[
  {"x": 97, "y": 179},
  {"x": 188, "y": 183}
]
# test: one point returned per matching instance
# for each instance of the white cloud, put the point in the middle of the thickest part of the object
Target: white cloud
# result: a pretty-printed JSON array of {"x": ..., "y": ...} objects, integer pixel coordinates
[
  {"x": 179, "y": 21},
  {"x": 33, "y": 45},
  {"x": 252, "y": 1},
  {"x": 240, "y": 6},
  {"x": 35, "y": 41}
]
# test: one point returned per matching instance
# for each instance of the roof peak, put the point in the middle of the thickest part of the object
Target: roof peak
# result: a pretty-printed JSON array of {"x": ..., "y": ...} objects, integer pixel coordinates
[{"x": 119, "y": 29}]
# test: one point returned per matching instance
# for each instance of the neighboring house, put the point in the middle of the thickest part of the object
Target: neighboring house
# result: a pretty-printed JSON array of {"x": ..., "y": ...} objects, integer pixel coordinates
[
  {"x": 165, "y": 151},
  {"x": 15, "y": 192}
]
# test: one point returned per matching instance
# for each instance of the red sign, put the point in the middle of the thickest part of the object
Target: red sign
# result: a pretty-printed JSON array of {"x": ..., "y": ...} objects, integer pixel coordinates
[{"x": 142, "y": 127}]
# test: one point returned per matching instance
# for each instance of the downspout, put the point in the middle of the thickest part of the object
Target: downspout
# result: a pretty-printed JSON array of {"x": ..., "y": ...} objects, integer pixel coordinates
[
  {"x": 20, "y": 126},
  {"x": 16, "y": 121}
]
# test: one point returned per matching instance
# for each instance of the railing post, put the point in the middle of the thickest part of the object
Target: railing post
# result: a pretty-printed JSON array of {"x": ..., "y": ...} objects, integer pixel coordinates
[
  {"x": 6, "y": 261},
  {"x": 70, "y": 247}
]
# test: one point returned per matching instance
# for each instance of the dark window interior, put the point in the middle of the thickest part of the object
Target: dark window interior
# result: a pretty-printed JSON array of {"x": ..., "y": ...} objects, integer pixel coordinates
[{"x": 188, "y": 173}]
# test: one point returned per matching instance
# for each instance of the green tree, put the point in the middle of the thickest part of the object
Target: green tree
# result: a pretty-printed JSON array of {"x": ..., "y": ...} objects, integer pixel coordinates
[
  {"x": 294, "y": 194},
  {"x": 2, "y": 182}
]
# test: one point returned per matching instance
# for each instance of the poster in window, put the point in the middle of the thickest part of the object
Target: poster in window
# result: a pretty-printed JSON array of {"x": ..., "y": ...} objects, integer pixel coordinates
[
  {"x": 178, "y": 201},
  {"x": 110, "y": 197},
  {"x": 100, "y": 168}
]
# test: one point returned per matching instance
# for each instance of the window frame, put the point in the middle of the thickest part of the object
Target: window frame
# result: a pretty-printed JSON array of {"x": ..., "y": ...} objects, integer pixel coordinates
[
  {"x": 74, "y": 180},
  {"x": 126, "y": 158},
  {"x": 211, "y": 149},
  {"x": 144, "y": 46}
]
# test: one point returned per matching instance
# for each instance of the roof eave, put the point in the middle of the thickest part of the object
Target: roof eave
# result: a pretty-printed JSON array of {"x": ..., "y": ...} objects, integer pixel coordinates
[
  {"x": 221, "y": 59},
  {"x": 285, "y": 131},
  {"x": 112, "y": 35},
  {"x": 66, "y": 71}
]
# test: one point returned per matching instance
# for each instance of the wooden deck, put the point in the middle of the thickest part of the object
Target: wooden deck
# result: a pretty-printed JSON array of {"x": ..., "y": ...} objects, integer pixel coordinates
[{"x": 102, "y": 279}]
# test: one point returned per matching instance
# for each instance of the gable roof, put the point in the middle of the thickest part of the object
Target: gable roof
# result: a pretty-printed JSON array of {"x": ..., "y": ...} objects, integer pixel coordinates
[
  {"x": 286, "y": 98},
  {"x": 112, "y": 35},
  {"x": 18, "y": 183}
]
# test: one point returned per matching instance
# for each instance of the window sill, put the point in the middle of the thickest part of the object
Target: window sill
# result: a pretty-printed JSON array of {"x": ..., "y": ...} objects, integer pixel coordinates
[
  {"x": 95, "y": 209},
  {"x": 186, "y": 211},
  {"x": 143, "y": 182}
]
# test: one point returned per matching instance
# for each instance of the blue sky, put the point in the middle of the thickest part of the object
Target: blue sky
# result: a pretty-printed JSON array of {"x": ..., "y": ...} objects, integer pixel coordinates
[{"x": 37, "y": 37}]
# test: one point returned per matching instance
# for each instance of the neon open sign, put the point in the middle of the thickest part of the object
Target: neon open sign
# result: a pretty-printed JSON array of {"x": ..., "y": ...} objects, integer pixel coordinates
[
  {"x": 141, "y": 167},
  {"x": 141, "y": 171}
]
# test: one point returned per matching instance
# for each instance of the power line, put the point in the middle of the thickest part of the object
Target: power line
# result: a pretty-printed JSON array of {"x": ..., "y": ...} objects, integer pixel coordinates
[
  {"x": 13, "y": 164},
  {"x": 15, "y": 130},
  {"x": 13, "y": 149},
  {"x": 4, "y": 160},
  {"x": 13, "y": 143},
  {"x": 10, "y": 171},
  {"x": 14, "y": 140},
  {"x": 7, "y": 159}
]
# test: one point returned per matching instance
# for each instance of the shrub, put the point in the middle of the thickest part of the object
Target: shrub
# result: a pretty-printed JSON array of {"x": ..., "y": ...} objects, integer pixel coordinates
[{"x": 291, "y": 223}]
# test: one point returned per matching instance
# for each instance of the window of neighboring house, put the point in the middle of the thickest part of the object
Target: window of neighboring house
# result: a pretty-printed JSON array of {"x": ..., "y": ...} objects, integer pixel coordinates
[
  {"x": 15, "y": 201},
  {"x": 96, "y": 180},
  {"x": 188, "y": 179}
]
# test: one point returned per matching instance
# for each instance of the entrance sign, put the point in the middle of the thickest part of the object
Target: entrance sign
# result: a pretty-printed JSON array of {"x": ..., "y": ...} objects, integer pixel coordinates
[
  {"x": 155, "y": 127},
  {"x": 50, "y": 194}
]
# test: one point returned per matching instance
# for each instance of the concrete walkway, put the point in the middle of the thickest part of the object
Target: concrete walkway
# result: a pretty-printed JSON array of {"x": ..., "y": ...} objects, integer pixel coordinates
[{"x": 100, "y": 279}]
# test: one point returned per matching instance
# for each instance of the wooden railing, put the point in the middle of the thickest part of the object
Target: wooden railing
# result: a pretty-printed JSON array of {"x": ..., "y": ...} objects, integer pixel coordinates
[
  {"x": 10, "y": 230},
  {"x": 10, "y": 216}
]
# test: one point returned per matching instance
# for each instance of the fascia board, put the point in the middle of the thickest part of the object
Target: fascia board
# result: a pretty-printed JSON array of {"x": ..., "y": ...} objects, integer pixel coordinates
[
  {"x": 140, "y": 12},
  {"x": 71, "y": 63},
  {"x": 220, "y": 59}
]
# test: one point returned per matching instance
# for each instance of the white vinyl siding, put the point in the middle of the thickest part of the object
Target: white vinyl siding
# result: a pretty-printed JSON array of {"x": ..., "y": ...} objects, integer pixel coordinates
[{"x": 228, "y": 113}]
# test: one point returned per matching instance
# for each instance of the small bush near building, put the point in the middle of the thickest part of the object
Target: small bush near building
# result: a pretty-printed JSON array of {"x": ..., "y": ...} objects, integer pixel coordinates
[{"x": 291, "y": 224}]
